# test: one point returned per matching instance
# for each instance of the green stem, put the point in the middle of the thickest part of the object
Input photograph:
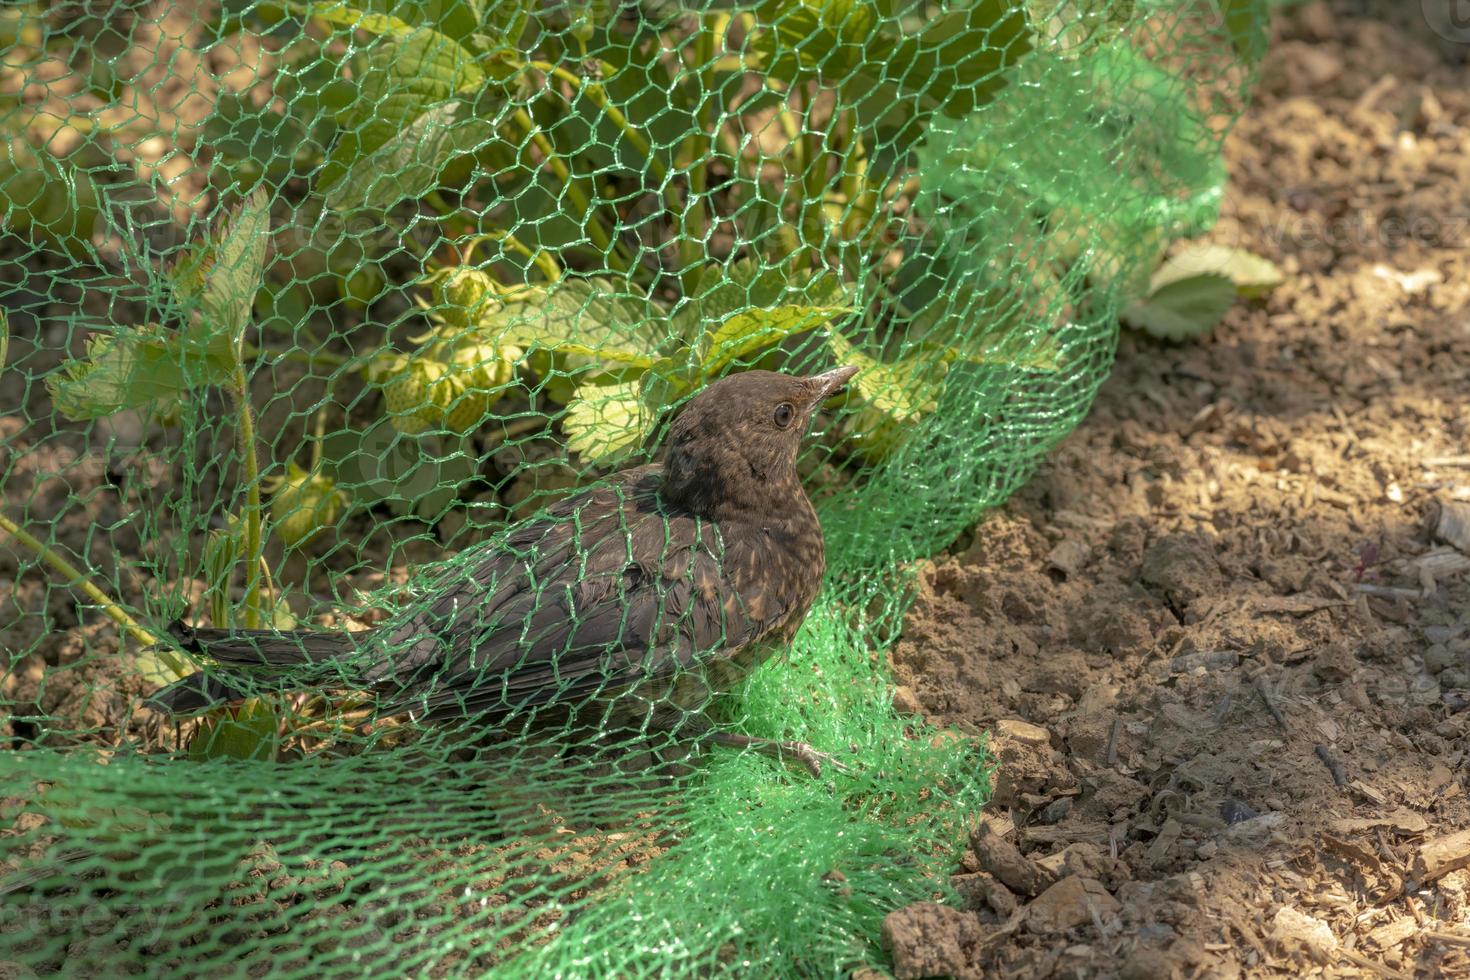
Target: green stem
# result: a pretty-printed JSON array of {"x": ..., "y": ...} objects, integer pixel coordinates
[
  {"x": 577, "y": 191},
  {"x": 694, "y": 217},
  {"x": 598, "y": 95},
  {"x": 76, "y": 580},
  {"x": 540, "y": 258},
  {"x": 614, "y": 115},
  {"x": 813, "y": 185},
  {"x": 312, "y": 358},
  {"x": 251, "y": 465},
  {"x": 862, "y": 202}
]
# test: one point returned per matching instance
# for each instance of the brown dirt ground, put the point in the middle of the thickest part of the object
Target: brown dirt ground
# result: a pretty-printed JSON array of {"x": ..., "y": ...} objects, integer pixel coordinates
[{"x": 1228, "y": 695}]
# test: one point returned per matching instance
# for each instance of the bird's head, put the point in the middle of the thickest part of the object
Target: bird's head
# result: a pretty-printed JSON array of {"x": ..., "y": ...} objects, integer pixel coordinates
[{"x": 735, "y": 443}]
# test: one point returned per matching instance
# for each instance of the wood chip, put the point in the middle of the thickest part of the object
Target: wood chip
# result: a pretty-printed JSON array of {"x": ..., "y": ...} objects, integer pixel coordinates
[
  {"x": 1449, "y": 521},
  {"x": 1296, "y": 605},
  {"x": 1442, "y": 855},
  {"x": 1390, "y": 934},
  {"x": 1403, "y": 821}
]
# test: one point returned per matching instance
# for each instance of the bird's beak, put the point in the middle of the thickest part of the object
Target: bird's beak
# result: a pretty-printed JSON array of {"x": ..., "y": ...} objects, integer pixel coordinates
[{"x": 829, "y": 383}]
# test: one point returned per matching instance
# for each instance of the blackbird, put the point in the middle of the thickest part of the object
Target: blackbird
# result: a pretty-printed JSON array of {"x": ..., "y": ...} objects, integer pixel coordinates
[{"x": 639, "y": 597}]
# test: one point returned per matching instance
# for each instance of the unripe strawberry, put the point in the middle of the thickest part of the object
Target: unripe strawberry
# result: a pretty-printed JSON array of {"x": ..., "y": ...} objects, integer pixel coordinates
[
  {"x": 409, "y": 392},
  {"x": 475, "y": 380},
  {"x": 464, "y": 296},
  {"x": 303, "y": 505},
  {"x": 362, "y": 287}
]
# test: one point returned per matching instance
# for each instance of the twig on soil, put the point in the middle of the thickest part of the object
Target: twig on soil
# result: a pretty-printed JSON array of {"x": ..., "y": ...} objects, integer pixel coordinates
[
  {"x": 1453, "y": 939},
  {"x": 1447, "y": 461},
  {"x": 1334, "y": 767},
  {"x": 1373, "y": 965},
  {"x": 1113, "y": 741},
  {"x": 1386, "y": 591},
  {"x": 1263, "y": 687}
]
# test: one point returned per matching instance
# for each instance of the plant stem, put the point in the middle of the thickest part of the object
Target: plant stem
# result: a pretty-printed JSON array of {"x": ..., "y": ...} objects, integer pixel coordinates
[
  {"x": 598, "y": 95},
  {"x": 857, "y": 192},
  {"x": 76, "y": 580},
  {"x": 694, "y": 217},
  {"x": 577, "y": 191},
  {"x": 614, "y": 115},
  {"x": 246, "y": 428},
  {"x": 813, "y": 184}
]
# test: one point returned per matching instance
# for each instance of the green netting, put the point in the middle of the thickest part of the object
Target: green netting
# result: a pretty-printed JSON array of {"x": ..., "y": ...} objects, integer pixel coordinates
[{"x": 308, "y": 302}]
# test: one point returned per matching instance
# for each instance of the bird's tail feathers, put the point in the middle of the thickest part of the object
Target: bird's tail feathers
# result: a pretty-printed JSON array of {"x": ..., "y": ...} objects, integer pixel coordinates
[{"x": 252, "y": 660}]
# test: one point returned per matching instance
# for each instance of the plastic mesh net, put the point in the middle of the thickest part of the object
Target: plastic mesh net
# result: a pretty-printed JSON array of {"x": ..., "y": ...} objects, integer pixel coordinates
[{"x": 309, "y": 304}]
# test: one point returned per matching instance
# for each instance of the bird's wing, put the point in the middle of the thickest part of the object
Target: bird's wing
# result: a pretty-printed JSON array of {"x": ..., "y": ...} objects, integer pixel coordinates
[{"x": 606, "y": 589}]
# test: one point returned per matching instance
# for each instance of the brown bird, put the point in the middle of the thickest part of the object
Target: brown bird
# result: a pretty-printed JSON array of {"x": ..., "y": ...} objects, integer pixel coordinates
[{"x": 640, "y": 597}]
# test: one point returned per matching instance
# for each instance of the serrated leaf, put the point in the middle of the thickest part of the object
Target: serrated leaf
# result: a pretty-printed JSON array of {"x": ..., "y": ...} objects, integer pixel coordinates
[
  {"x": 954, "y": 64},
  {"x": 745, "y": 333},
  {"x": 747, "y": 284},
  {"x": 128, "y": 369},
  {"x": 406, "y": 71},
  {"x": 604, "y": 422},
  {"x": 596, "y": 318},
  {"x": 1251, "y": 275},
  {"x": 889, "y": 398},
  {"x": 905, "y": 390},
  {"x": 410, "y": 162},
  {"x": 1185, "y": 308}
]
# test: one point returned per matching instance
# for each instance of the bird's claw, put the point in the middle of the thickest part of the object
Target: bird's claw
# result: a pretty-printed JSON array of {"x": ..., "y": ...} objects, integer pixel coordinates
[{"x": 813, "y": 760}]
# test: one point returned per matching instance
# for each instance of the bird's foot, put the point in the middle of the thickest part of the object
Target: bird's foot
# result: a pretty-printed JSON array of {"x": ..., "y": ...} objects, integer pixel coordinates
[{"x": 810, "y": 758}]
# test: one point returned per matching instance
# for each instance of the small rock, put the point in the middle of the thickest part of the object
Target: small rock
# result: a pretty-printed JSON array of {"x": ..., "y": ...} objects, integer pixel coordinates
[
  {"x": 1027, "y": 764},
  {"x": 1057, "y": 810},
  {"x": 1023, "y": 731},
  {"x": 1069, "y": 557},
  {"x": 905, "y": 702},
  {"x": 1183, "y": 566},
  {"x": 1292, "y": 929},
  {"x": 1236, "y": 811},
  {"x": 928, "y": 939},
  {"x": 981, "y": 890},
  {"x": 1070, "y": 903}
]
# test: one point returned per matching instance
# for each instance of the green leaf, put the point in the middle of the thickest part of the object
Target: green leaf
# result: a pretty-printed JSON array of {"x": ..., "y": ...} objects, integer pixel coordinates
[
  {"x": 753, "y": 330},
  {"x": 954, "y": 64},
  {"x": 746, "y": 284},
  {"x": 42, "y": 195},
  {"x": 217, "y": 279},
  {"x": 405, "y": 72},
  {"x": 250, "y": 732},
  {"x": 892, "y": 396},
  {"x": 127, "y": 369},
  {"x": 605, "y": 422},
  {"x": 1252, "y": 275},
  {"x": 4, "y": 338},
  {"x": 598, "y": 318},
  {"x": 1184, "y": 308},
  {"x": 906, "y": 389},
  {"x": 409, "y": 164},
  {"x": 215, "y": 282}
]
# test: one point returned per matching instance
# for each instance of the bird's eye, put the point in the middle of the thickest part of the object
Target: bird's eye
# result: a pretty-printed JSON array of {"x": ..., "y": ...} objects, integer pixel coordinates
[{"x": 784, "y": 414}]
